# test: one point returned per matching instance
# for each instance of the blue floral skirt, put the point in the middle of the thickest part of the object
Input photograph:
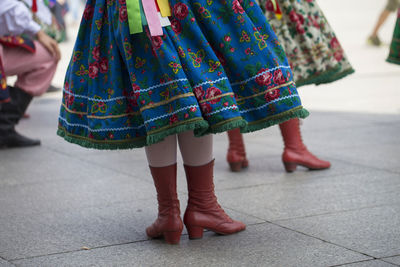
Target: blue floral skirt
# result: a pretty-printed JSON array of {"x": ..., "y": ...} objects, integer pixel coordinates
[{"x": 218, "y": 67}]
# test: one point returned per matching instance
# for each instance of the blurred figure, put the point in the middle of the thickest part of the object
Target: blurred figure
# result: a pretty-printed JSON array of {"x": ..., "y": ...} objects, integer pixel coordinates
[
  {"x": 29, "y": 53},
  {"x": 390, "y": 7},
  {"x": 75, "y": 8},
  {"x": 394, "y": 55}
]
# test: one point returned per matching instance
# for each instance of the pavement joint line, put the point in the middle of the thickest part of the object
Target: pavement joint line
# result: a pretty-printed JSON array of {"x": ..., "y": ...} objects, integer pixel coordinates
[
  {"x": 336, "y": 212},
  {"x": 384, "y": 260},
  {"x": 99, "y": 247},
  {"x": 380, "y": 259},
  {"x": 394, "y": 264},
  {"x": 325, "y": 241},
  {"x": 305, "y": 234},
  {"x": 4, "y": 259},
  {"x": 365, "y": 166},
  {"x": 78, "y": 250},
  {"x": 347, "y": 263}
]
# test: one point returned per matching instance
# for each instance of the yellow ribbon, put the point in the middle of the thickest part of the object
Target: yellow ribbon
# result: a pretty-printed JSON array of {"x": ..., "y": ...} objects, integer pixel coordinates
[{"x": 165, "y": 9}]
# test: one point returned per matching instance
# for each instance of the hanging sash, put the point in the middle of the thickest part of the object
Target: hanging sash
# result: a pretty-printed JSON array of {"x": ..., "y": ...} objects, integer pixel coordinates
[{"x": 148, "y": 12}]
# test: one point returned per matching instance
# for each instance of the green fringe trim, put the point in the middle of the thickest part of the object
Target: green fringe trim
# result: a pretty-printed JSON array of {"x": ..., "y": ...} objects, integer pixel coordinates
[
  {"x": 99, "y": 144},
  {"x": 325, "y": 77},
  {"x": 197, "y": 126},
  {"x": 393, "y": 60},
  {"x": 337, "y": 76},
  {"x": 200, "y": 128},
  {"x": 237, "y": 122},
  {"x": 298, "y": 112}
]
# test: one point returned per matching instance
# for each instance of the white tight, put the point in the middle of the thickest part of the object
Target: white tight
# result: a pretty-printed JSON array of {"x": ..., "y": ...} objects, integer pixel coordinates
[{"x": 195, "y": 151}]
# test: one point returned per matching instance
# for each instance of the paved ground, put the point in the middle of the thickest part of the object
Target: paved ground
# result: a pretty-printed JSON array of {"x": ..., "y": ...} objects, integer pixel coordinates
[{"x": 58, "y": 199}]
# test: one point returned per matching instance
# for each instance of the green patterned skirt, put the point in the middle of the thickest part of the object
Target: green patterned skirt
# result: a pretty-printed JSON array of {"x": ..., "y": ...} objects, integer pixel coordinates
[
  {"x": 313, "y": 50},
  {"x": 394, "y": 55}
]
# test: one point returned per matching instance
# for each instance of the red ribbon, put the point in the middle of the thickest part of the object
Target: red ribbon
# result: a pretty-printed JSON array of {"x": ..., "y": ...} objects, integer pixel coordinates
[{"x": 34, "y": 6}]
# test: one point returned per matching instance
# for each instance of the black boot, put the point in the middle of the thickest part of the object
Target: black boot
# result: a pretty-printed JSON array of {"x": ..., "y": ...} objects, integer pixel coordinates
[{"x": 10, "y": 114}]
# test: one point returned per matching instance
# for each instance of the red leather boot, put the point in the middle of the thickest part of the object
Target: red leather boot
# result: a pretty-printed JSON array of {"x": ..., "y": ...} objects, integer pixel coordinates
[
  {"x": 169, "y": 223},
  {"x": 236, "y": 156},
  {"x": 296, "y": 153},
  {"x": 203, "y": 210}
]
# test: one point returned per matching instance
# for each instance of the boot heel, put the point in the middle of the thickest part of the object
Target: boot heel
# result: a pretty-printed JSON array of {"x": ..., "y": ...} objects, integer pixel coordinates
[
  {"x": 236, "y": 166},
  {"x": 172, "y": 237},
  {"x": 290, "y": 166},
  {"x": 195, "y": 232}
]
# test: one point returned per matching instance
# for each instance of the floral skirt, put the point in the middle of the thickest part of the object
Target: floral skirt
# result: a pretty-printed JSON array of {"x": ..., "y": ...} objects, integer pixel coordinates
[
  {"x": 394, "y": 55},
  {"x": 213, "y": 70},
  {"x": 313, "y": 51}
]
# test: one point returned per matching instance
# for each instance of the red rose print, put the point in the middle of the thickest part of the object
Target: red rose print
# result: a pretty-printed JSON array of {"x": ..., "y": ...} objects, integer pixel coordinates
[
  {"x": 198, "y": 92},
  {"x": 300, "y": 29},
  {"x": 227, "y": 38},
  {"x": 157, "y": 42},
  {"x": 69, "y": 99},
  {"x": 88, "y": 13},
  {"x": 123, "y": 13},
  {"x": 93, "y": 70},
  {"x": 272, "y": 95},
  {"x": 173, "y": 119},
  {"x": 96, "y": 53},
  {"x": 264, "y": 78},
  {"x": 213, "y": 92},
  {"x": 205, "y": 108},
  {"x": 335, "y": 43},
  {"x": 338, "y": 55},
  {"x": 278, "y": 77},
  {"x": 135, "y": 87},
  {"x": 103, "y": 65},
  {"x": 176, "y": 26},
  {"x": 181, "y": 10},
  {"x": 237, "y": 8},
  {"x": 193, "y": 109}
]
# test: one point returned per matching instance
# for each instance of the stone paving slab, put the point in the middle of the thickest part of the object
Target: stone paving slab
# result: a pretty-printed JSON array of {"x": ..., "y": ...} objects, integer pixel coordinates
[
  {"x": 373, "y": 263},
  {"x": 300, "y": 196},
  {"x": 86, "y": 189},
  {"x": 25, "y": 235},
  {"x": 373, "y": 231},
  {"x": 263, "y": 244},
  {"x": 394, "y": 260},
  {"x": 4, "y": 263}
]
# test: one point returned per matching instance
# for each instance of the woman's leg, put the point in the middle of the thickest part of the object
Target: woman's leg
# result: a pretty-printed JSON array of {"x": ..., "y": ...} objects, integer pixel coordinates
[
  {"x": 203, "y": 210},
  {"x": 162, "y": 162},
  {"x": 195, "y": 151},
  {"x": 163, "y": 153},
  {"x": 295, "y": 152}
]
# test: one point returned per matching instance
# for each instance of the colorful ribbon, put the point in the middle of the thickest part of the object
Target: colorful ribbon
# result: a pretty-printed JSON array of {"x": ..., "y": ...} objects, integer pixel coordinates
[
  {"x": 145, "y": 12},
  {"x": 277, "y": 10}
]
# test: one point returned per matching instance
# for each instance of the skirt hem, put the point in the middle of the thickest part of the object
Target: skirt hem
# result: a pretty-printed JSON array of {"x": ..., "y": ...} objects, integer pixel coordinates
[
  {"x": 326, "y": 77},
  {"x": 298, "y": 112}
]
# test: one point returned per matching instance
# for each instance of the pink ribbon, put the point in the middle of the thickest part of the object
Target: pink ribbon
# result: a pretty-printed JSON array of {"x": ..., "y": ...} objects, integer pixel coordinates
[{"x": 150, "y": 9}]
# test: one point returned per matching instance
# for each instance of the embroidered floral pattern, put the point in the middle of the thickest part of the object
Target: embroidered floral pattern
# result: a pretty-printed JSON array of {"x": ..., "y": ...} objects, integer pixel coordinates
[
  {"x": 124, "y": 90},
  {"x": 313, "y": 51}
]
